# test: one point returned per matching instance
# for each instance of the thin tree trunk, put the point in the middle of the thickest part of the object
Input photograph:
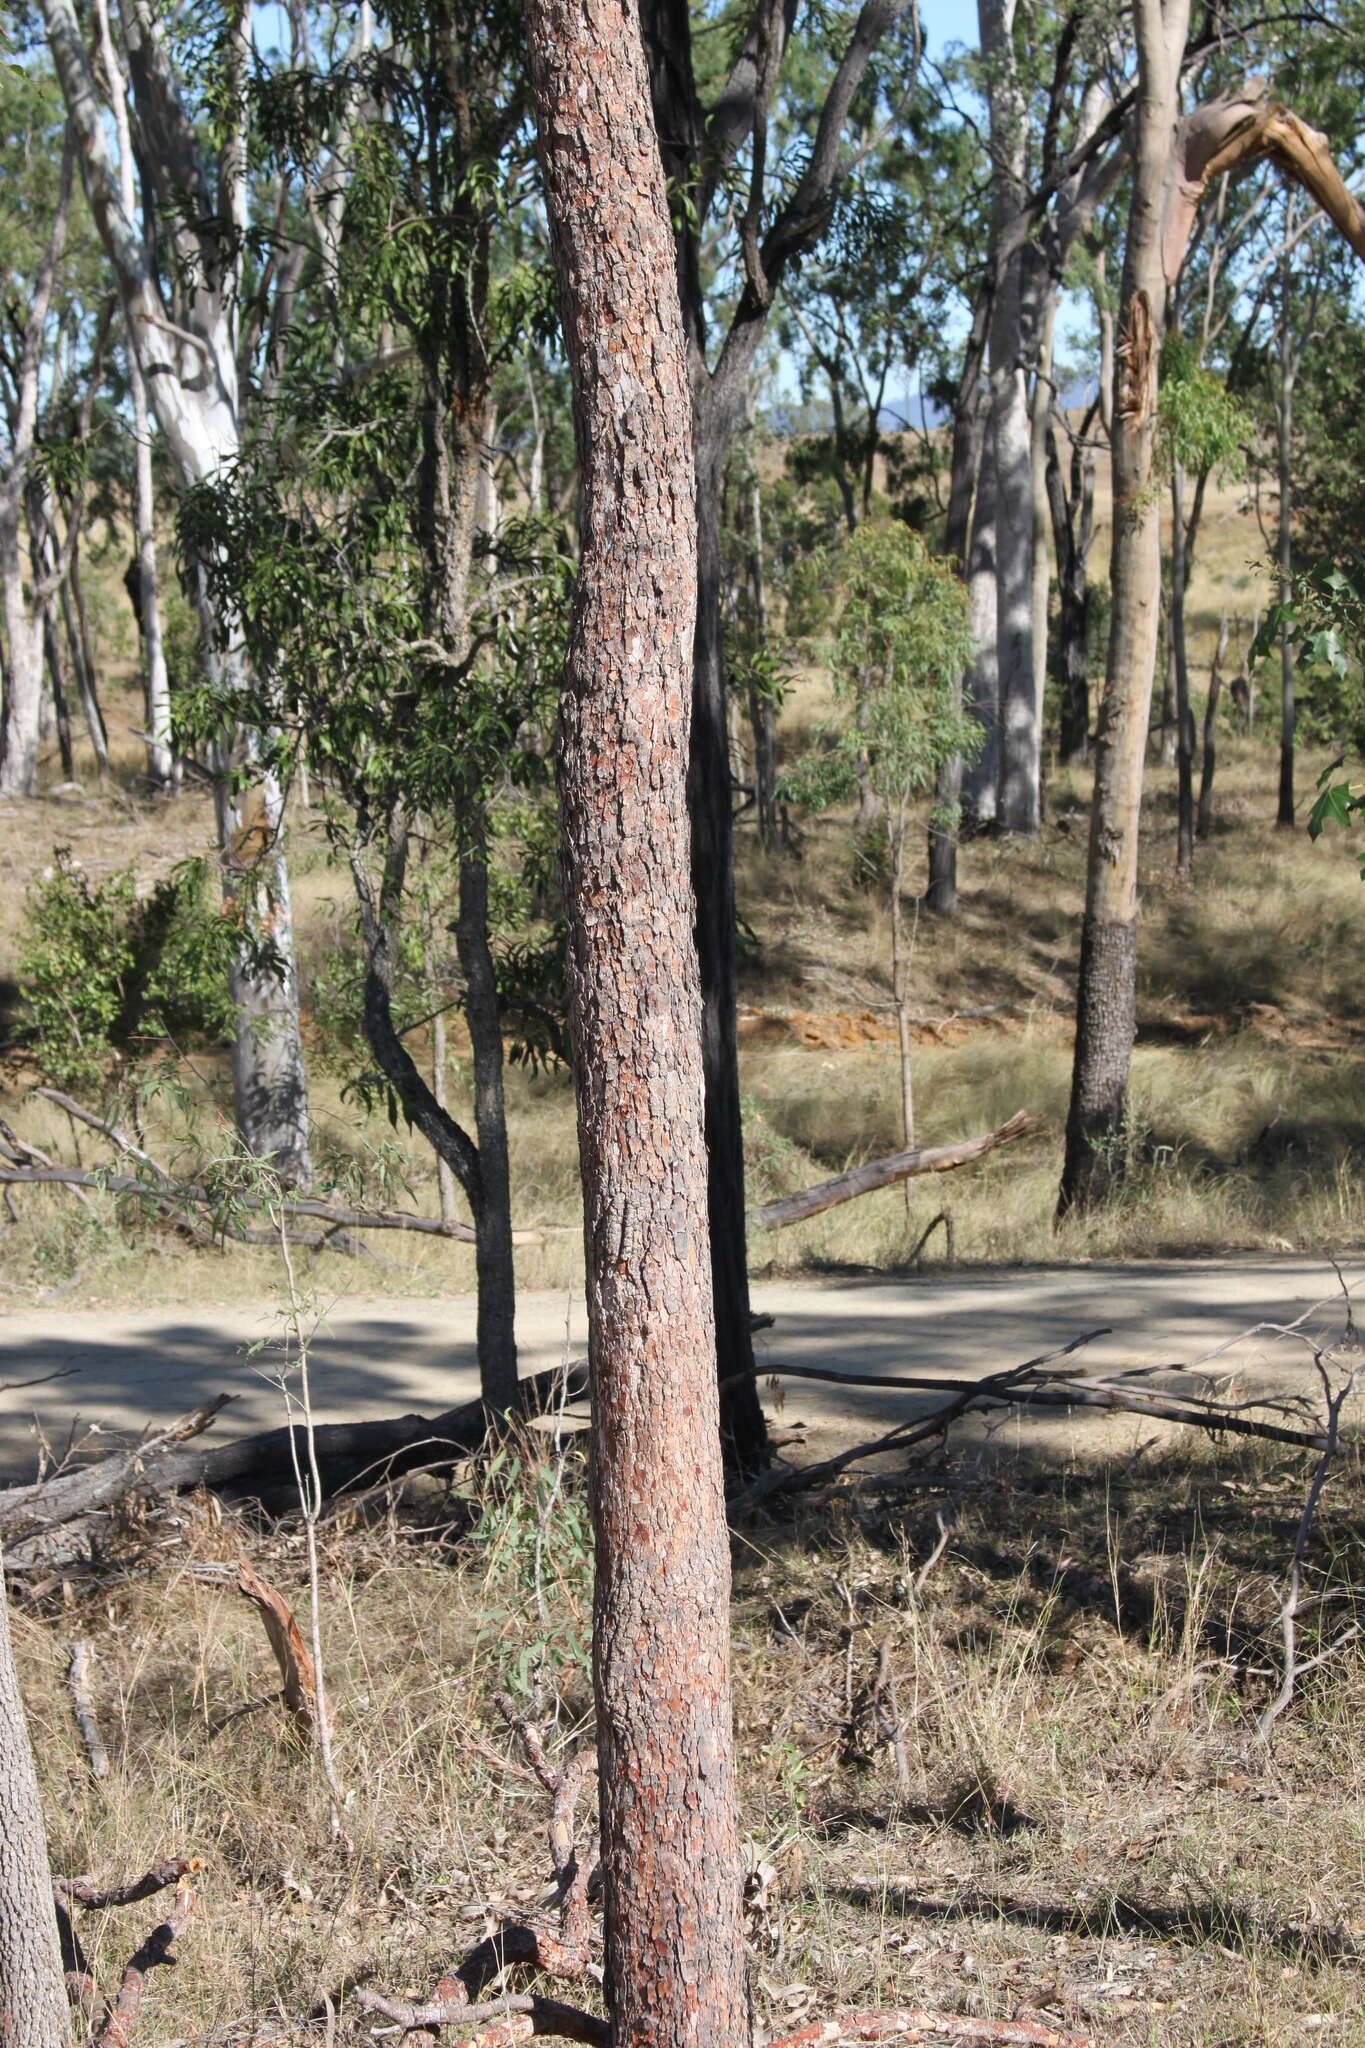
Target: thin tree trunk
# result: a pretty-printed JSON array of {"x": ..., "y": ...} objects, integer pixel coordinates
[
  {"x": 20, "y": 730},
  {"x": 61, "y": 710},
  {"x": 713, "y": 873},
  {"x": 761, "y": 715},
  {"x": 675, "y": 1974},
  {"x": 1106, "y": 1003},
  {"x": 980, "y": 776},
  {"x": 162, "y": 768},
  {"x": 493, "y": 1258},
  {"x": 1204, "y": 820},
  {"x": 1184, "y": 716},
  {"x": 1039, "y": 407},
  {"x": 445, "y": 1179},
  {"x": 77, "y": 622},
  {"x": 900, "y": 989},
  {"x": 945, "y": 818},
  {"x": 33, "y": 2006},
  {"x": 1284, "y": 431}
]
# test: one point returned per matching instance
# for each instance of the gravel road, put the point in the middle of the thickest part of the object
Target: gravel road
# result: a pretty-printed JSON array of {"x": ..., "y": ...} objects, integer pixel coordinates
[{"x": 124, "y": 1370}]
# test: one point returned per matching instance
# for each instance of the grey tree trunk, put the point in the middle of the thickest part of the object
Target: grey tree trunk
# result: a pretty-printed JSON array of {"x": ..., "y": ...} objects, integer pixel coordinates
[
  {"x": 1209, "y": 763},
  {"x": 33, "y": 2008},
  {"x": 1010, "y": 434},
  {"x": 675, "y": 1974},
  {"x": 980, "y": 776},
  {"x": 190, "y": 371}
]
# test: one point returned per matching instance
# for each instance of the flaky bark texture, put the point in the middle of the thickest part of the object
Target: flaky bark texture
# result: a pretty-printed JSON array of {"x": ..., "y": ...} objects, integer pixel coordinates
[
  {"x": 32, "y": 1994},
  {"x": 674, "y": 1953}
]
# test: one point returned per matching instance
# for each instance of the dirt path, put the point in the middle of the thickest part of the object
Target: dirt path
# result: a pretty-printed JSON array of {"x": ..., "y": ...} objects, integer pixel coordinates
[{"x": 122, "y": 1371}]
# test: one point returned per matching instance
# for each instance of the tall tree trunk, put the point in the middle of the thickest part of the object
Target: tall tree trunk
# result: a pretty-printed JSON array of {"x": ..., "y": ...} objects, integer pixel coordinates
[
  {"x": 968, "y": 432},
  {"x": 76, "y": 619},
  {"x": 711, "y": 799},
  {"x": 670, "y": 1853},
  {"x": 493, "y": 1259},
  {"x": 1204, "y": 820},
  {"x": 1073, "y": 525},
  {"x": 1009, "y": 430},
  {"x": 33, "y": 2007},
  {"x": 162, "y": 769},
  {"x": 1284, "y": 435},
  {"x": 1040, "y": 402},
  {"x": 1184, "y": 716},
  {"x": 980, "y": 775},
  {"x": 1106, "y": 1004},
  {"x": 195, "y": 394},
  {"x": 21, "y": 725}
]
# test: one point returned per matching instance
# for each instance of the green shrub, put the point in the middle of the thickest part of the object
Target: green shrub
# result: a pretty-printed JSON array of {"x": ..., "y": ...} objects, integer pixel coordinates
[{"x": 106, "y": 974}]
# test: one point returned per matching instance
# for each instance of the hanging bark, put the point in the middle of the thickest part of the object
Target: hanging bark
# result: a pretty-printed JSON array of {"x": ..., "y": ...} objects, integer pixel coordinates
[
  {"x": 1073, "y": 528},
  {"x": 674, "y": 1947},
  {"x": 1284, "y": 541},
  {"x": 32, "y": 1991}
]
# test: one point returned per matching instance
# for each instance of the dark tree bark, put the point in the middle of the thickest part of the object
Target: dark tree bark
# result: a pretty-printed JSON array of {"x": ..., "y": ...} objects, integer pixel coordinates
[
  {"x": 1184, "y": 715},
  {"x": 493, "y": 1261},
  {"x": 674, "y": 1949},
  {"x": 969, "y": 427},
  {"x": 1204, "y": 817},
  {"x": 1073, "y": 527}
]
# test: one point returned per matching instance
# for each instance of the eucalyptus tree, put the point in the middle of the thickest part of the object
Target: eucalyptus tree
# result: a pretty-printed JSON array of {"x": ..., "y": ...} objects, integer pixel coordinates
[
  {"x": 674, "y": 1962},
  {"x": 351, "y": 547},
  {"x": 1177, "y": 157},
  {"x": 900, "y": 646},
  {"x": 34, "y": 239},
  {"x": 198, "y": 311}
]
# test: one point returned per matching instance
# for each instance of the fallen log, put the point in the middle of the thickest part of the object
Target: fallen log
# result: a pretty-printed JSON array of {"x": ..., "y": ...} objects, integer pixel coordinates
[
  {"x": 885, "y": 1173},
  {"x": 168, "y": 1463}
]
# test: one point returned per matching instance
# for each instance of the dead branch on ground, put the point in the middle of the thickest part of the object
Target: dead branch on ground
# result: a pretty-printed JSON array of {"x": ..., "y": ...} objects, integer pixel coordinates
[
  {"x": 112, "y": 2027},
  {"x": 562, "y": 1949},
  {"x": 885, "y": 1173}
]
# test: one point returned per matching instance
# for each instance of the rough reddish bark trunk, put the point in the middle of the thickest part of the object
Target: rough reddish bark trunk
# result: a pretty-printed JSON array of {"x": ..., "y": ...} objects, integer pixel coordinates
[{"x": 674, "y": 1955}]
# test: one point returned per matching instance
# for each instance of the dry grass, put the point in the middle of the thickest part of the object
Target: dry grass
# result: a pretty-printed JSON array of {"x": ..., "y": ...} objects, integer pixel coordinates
[
  {"x": 1248, "y": 1097},
  {"x": 1086, "y": 1822}
]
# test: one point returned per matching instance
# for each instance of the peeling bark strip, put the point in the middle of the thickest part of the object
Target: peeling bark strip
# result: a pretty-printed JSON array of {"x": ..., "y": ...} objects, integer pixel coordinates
[{"x": 670, "y": 1852}]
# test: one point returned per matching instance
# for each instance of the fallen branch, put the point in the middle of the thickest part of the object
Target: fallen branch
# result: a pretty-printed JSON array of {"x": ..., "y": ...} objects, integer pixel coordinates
[
  {"x": 884, "y": 1173},
  {"x": 1056, "y": 1391},
  {"x": 912, "y": 2023},
  {"x": 299, "y": 1687},
  {"x": 164, "y": 1463},
  {"x": 115, "y": 2029},
  {"x": 563, "y": 1952}
]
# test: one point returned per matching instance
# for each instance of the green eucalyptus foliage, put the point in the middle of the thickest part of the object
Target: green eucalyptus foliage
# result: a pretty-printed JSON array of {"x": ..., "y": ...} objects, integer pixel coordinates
[
  {"x": 900, "y": 647},
  {"x": 1200, "y": 423},
  {"x": 108, "y": 975}
]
